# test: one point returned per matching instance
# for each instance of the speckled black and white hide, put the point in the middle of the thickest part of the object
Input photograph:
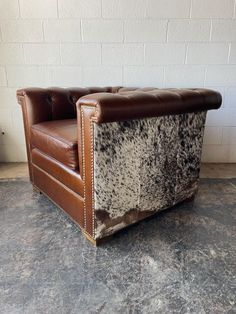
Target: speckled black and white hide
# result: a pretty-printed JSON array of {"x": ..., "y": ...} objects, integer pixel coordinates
[{"x": 143, "y": 166}]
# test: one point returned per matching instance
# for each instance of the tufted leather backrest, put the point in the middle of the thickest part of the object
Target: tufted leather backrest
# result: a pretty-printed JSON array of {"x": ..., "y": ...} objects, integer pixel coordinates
[{"x": 45, "y": 104}]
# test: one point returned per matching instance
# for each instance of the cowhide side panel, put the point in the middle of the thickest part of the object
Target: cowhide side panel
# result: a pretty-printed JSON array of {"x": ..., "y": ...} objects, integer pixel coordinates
[{"x": 144, "y": 166}]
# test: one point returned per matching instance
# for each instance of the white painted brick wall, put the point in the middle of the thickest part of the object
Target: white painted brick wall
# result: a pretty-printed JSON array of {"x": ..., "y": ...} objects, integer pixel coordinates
[
  {"x": 3, "y": 78},
  {"x": 38, "y": 9},
  {"x": 210, "y": 53},
  {"x": 171, "y": 53},
  {"x": 232, "y": 56},
  {"x": 66, "y": 76},
  {"x": 62, "y": 30},
  {"x": 79, "y": 8},
  {"x": 122, "y": 54},
  {"x": 102, "y": 76},
  {"x": 144, "y": 76},
  {"x": 162, "y": 43},
  {"x": 189, "y": 30},
  {"x": 168, "y": 9},
  {"x": 11, "y": 54},
  {"x": 185, "y": 75},
  {"x": 122, "y": 9},
  {"x": 21, "y": 30},
  {"x": 212, "y": 9},
  {"x": 102, "y": 31},
  {"x": 81, "y": 54},
  {"x": 223, "y": 30},
  {"x": 18, "y": 76},
  {"x": 9, "y": 9},
  {"x": 145, "y": 30},
  {"x": 41, "y": 54}
]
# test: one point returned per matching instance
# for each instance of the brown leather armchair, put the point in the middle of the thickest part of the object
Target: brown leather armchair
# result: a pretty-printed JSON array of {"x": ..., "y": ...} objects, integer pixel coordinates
[{"x": 112, "y": 156}]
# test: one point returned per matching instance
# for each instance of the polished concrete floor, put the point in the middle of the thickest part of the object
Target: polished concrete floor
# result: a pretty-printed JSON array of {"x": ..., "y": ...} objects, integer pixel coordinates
[{"x": 183, "y": 260}]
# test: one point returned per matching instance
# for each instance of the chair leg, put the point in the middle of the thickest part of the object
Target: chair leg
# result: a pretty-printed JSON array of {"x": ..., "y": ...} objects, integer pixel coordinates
[
  {"x": 88, "y": 237},
  {"x": 97, "y": 242}
]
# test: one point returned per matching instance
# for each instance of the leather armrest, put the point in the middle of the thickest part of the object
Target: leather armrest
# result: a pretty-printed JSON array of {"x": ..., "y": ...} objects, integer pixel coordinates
[{"x": 140, "y": 104}]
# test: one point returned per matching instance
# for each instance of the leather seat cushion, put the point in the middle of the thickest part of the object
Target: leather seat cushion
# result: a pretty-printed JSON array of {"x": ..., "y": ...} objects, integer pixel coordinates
[{"x": 57, "y": 139}]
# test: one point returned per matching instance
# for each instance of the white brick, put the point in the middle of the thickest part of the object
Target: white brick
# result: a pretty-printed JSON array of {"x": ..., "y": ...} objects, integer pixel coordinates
[
  {"x": 102, "y": 76},
  {"x": 10, "y": 152},
  {"x": 9, "y": 9},
  {"x": 13, "y": 144},
  {"x": 79, "y": 8},
  {"x": 143, "y": 76},
  {"x": 21, "y": 153},
  {"x": 102, "y": 31},
  {"x": 8, "y": 97},
  {"x": 212, "y": 135},
  {"x": 12, "y": 134},
  {"x": 232, "y": 57},
  {"x": 122, "y": 54},
  {"x": 215, "y": 153},
  {"x": 212, "y": 8},
  {"x": 17, "y": 119},
  {"x": 62, "y": 30},
  {"x": 221, "y": 117},
  {"x": 223, "y": 30},
  {"x": 22, "y": 31},
  {"x": 168, "y": 8},
  {"x": 189, "y": 30},
  {"x": 123, "y": 9},
  {"x": 201, "y": 53},
  {"x": 217, "y": 118},
  {"x": 221, "y": 75},
  {"x": 5, "y": 118},
  {"x": 81, "y": 54},
  {"x": 42, "y": 54},
  {"x": 145, "y": 30},
  {"x": 184, "y": 76},
  {"x": 66, "y": 76},
  {"x": 164, "y": 54},
  {"x": 11, "y": 54},
  {"x": 38, "y": 9},
  {"x": 22, "y": 76},
  {"x": 3, "y": 79},
  {"x": 229, "y": 136},
  {"x": 230, "y": 97}
]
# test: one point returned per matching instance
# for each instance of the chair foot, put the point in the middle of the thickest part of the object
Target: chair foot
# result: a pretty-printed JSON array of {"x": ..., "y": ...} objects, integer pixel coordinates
[
  {"x": 97, "y": 242},
  {"x": 88, "y": 237}
]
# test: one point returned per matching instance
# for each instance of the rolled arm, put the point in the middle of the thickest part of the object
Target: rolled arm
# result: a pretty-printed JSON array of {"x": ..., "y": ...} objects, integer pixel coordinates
[{"x": 140, "y": 104}]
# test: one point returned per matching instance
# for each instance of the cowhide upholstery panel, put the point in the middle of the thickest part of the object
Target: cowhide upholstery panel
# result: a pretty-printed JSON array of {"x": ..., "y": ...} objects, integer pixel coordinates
[{"x": 144, "y": 166}]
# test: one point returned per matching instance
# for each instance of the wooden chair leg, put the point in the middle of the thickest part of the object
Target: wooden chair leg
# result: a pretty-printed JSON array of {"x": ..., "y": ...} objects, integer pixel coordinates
[
  {"x": 88, "y": 237},
  {"x": 97, "y": 242}
]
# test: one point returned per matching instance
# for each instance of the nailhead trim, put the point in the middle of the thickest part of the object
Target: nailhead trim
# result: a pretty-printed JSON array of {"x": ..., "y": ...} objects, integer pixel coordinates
[
  {"x": 83, "y": 161},
  {"x": 92, "y": 166},
  {"x": 92, "y": 172}
]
